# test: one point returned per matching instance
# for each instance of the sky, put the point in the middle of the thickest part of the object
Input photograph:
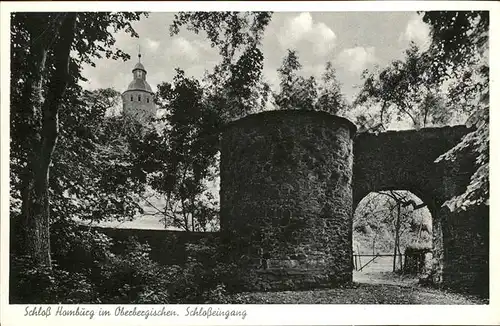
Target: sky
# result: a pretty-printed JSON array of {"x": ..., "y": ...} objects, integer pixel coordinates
[{"x": 352, "y": 41}]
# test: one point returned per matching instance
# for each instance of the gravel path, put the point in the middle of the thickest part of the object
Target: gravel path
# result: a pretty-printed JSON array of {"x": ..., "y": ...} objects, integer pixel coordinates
[{"x": 361, "y": 293}]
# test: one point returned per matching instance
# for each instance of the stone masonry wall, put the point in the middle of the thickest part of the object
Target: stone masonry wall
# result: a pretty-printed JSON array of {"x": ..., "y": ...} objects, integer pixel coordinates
[
  {"x": 167, "y": 247},
  {"x": 404, "y": 160},
  {"x": 286, "y": 197},
  {"x": 143, "y": 110},
  {"x": 466, "y": 251}
]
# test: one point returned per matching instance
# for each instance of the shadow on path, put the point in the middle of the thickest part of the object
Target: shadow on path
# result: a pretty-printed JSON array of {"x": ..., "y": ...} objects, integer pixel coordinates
[
  {"x": 374, "y": 285},
  {"x": 360, "y": 293}
]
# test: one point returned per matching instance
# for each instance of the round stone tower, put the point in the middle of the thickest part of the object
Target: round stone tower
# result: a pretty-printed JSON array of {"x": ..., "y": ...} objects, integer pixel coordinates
[
  {"x": 138, "y": 98},
  {"x": 286, "y": 198}
]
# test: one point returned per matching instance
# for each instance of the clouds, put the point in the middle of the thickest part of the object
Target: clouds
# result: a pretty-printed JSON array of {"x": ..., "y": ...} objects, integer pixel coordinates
[
  {"x": 184, "y": 48},
  {"x": 152, "y": 45},
  {"x": 353, "y": 41},
  {"x": 295, "y": 30},
  {"x": 301, "y": 30},
  {"x": 356, "y": 59},
  {"x": 191, "y": 51},
  {"x": 417, "y": 31}
]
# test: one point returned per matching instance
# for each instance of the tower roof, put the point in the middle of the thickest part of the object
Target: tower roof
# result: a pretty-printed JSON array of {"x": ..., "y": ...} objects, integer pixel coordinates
[
  {"x": 138, "y": 65},
  {"x": 139, "y": 82}
]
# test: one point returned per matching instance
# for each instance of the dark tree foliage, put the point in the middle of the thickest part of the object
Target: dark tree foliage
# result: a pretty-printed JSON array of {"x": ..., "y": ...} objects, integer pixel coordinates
[
  {"x": 300, "y": 93},
  {"x": 95, "y": 174},
  {"x": 182, "y": 157},
  {"x": 296, "y": 92},
  {"x": 229, "y": 31},
  {"x": 459, "y": 38},
  {"x": 236, "y": 83},
  {"x": 47, "y": 51},
  {"x": 330, "y": 96},
  {"x": 459, "y": 52},
  {"x": 434, "y": 87},
  {"x": 402, "y": 91},
  {"x": 196, "y": 111}
]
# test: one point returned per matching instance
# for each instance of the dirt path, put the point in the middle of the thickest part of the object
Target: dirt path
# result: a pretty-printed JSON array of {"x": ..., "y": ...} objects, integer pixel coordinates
[
  {"x": 360, "y": 293},
  {"x": 384, "y": 278},
  {"x": 376, "y": 284}
]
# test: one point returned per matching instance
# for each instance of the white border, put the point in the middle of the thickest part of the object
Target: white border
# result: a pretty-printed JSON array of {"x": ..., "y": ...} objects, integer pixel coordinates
[
  {"x": 268, "y": 314},
  {"x": 290, "y": 6}
]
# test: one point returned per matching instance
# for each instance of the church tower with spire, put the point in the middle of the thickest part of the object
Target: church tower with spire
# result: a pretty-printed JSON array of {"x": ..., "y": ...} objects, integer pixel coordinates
[{"x": 138, "y": 98}]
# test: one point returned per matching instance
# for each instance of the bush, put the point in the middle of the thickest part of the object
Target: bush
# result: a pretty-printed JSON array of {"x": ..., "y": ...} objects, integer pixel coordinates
[
  {"x": 133, "y": 277},
  {"x": 218, "y": 295},
  {"x": 205, "y": 277},
  {"x": 85, "y": 270},
  {"x": 30, "y": 284},
  {"x": 79, "y": 249}
]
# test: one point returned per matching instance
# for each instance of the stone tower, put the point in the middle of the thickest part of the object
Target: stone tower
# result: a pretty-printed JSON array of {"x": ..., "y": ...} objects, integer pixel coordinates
[
  {"x": 286, "y": 198},
  {"x": 138, "y": 98}
]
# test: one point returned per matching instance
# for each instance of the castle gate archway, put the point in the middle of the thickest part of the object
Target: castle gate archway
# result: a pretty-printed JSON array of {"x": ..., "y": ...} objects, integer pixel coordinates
[
  {"x": 406, "y": 160},
  {"x": 290, "y": 180}
]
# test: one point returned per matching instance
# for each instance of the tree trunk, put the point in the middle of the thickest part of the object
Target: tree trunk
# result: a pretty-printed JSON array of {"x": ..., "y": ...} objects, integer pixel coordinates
[
  {"x": 193, "y": 213},
  {"x": 36, "y": 204}
]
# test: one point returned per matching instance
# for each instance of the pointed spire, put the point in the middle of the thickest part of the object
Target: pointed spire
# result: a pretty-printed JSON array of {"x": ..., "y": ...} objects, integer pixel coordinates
[{"x": 138, "y": 65}]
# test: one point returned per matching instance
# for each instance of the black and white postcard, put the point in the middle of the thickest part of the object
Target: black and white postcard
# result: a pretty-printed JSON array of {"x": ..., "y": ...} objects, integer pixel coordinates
[{"x": 278, "y": 163}]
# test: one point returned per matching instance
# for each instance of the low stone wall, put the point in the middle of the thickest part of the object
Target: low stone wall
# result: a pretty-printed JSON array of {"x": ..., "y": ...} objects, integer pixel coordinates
[{"x": 167, "y": 247}]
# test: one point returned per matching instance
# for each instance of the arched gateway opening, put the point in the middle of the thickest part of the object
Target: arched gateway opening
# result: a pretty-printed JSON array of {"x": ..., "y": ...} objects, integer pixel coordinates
[
  {"x": 290, "y": 181},
  {"x": 406, "y": 160},
  {"x": 392, "y": 238}
]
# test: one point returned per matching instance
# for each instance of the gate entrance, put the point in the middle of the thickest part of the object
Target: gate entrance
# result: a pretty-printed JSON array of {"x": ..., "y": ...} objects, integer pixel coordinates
[
  {"x": 387, "y": 225},
  {"x": 290, "y": 180}
]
